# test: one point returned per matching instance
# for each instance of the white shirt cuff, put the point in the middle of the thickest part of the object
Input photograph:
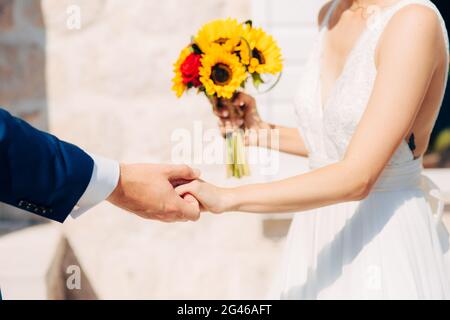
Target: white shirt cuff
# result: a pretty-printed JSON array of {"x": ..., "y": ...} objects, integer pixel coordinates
[{"x": 104, "y": 180}]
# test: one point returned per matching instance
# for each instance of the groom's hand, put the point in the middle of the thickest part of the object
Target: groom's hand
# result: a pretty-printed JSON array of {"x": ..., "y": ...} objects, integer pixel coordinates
[{"x": 148, "y": 191}]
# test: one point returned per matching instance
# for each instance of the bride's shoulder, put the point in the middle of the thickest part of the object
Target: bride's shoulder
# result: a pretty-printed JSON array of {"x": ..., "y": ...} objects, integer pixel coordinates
[
  {"x": 414, "y": 19},
  {"x": 412, "y": 26},
  {"x": 323, "y": 12},
  {"x": 416, "y": 11}
]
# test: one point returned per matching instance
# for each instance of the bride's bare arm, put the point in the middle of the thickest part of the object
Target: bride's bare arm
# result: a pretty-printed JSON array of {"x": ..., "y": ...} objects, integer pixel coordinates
[
  {"x": 259, "y": 132},
  {"x": 408, "y": 56},
  {"x": 281, "y": 138}
]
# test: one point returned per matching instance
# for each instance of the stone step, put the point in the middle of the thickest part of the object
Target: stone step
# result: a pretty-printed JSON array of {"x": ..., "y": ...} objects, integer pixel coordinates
[{"x": 38, "y": 263}]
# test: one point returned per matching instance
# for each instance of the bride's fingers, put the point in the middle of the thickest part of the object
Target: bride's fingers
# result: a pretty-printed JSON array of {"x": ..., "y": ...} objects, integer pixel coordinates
[
  {"x": 229, "y": 126},
  {"x": 189, "y": 188},
  {"x": 221, "y": 112},
  {"x": 240, "y": 100},
  {"x": 220, "y": 109},
  {"x": 239, "y": 106},
  {"x": 191, "y": 199},
  {"x": 239, "y": 122}
]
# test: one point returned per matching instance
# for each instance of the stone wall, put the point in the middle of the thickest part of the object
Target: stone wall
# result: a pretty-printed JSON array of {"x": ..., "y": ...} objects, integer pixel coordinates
[
  {"x": 22, "y": 76},
  {"x": 23, "y": 60}
]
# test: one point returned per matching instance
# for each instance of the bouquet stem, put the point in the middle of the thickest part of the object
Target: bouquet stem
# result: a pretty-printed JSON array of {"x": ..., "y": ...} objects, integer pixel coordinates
[
  {"x": 236, "y": 157},
  {"x": 237, "y": 165}
]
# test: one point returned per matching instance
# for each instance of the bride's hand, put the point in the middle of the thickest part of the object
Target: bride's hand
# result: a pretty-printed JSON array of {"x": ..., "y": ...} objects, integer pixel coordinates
[
  {"x": 213, "y": 199},
  {"x": 245, "y": 115}
]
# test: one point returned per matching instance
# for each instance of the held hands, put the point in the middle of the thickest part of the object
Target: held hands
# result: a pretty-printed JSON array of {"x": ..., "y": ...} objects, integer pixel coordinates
[
  {"x": 148, "y": 190},
  {"x": 211, "y": 198},
  {"x": 239, "y": 112},
  {"x": 172, "y": 193}
]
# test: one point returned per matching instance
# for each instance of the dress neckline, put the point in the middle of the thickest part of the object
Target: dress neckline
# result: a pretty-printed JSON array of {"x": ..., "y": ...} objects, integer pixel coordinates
[{"x": 325, "y": 100}]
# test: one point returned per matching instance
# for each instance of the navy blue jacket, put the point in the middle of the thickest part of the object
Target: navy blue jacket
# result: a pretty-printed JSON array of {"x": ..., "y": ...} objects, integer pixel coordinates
[{"x": 38, "y": 172}]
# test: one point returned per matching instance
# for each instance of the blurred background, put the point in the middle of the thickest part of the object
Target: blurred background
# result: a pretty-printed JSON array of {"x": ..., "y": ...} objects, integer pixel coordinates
[{"x": 103, "y": 82}]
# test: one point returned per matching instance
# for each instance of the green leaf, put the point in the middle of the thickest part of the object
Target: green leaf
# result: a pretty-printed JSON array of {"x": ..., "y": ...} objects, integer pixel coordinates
[
  {"x": 201, "y": 89},
  {"x": 257, "y": 80},
  {"x": 196, "y": 49}
]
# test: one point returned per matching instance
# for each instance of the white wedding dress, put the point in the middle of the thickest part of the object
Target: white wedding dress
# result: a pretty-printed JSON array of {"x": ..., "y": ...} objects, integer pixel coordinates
[{"x": 391, "y": 245}]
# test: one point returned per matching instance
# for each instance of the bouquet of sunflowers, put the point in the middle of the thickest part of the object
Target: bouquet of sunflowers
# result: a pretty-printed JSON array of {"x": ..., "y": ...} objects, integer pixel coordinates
[{"x": 220, "y": 60}]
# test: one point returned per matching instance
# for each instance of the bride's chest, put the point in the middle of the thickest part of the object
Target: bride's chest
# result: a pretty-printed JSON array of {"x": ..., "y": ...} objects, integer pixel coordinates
[{"x": 340, "y": 114}]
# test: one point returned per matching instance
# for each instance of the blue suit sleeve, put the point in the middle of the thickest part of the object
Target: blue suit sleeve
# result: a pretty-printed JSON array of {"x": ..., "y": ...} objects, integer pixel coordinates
[{"x": 38, "y": 172}]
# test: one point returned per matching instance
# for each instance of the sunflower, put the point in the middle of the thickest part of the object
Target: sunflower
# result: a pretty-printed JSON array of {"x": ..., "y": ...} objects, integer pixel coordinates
[
  {"x": 221, "y": 72},
  {"x": 178, "y": 84},
  {"x": 225, "y": 32},
  {"x": 266, "y": 55}
]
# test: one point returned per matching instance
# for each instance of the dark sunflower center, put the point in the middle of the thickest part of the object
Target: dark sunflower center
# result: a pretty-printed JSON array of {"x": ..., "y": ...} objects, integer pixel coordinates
[
  {"x": 221, "y": 41},
  {"x": 259, "y": 56},
  {"x": 221, "y": 74}
]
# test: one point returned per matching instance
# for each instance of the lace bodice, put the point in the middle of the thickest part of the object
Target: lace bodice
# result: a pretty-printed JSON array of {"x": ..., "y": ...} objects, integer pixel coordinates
[{"x": 327, "y": 127}]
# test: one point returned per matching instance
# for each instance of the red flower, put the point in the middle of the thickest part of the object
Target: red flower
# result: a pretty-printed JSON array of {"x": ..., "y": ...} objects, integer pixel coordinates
[{"x": 190, "y": 70}]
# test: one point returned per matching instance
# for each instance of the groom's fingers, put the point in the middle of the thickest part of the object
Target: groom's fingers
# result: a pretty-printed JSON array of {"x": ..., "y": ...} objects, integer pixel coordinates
[{"x": 182, "y": 172}]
